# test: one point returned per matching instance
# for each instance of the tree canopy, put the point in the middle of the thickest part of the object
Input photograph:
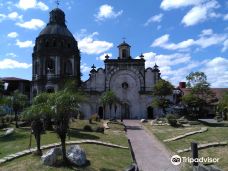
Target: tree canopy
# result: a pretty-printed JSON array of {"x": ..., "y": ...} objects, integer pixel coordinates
[{"x": 162, "y": 89}]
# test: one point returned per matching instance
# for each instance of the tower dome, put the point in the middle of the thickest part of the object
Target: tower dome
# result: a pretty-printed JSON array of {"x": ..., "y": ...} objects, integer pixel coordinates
[
  {"x": 56, "y": 55},
  {"x": 56, "y": 25}
]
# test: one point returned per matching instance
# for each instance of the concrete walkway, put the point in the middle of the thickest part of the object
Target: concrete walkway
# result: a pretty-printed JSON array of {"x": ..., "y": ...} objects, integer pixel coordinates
[{"x": 150, "y": 154}]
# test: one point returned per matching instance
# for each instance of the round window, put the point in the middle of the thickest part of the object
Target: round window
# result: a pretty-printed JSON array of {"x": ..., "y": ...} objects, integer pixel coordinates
[{"x": 124, "y": 85}]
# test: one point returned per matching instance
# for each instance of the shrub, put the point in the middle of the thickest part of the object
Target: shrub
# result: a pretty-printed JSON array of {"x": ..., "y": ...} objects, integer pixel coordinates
[
  {"x": 81, "y": 115},
  {"x": 95, "y": 117},
  {"x": 88, "y": 128},
  {"x": 172, "y": 120},
  {"x": 100, "y": 129}
]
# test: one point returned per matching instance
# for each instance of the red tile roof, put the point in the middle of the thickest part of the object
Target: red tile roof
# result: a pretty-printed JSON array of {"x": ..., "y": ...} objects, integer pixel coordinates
[{"x": 13, "y": 79}]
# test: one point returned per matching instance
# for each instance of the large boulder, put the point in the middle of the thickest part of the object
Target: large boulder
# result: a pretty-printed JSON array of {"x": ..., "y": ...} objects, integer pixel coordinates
[
  {"x": 132, "y": 167},
  {"x": 76, "y": 155},
  {"x": 52, "y": 156},
  {"x": 143, "y": 120}
]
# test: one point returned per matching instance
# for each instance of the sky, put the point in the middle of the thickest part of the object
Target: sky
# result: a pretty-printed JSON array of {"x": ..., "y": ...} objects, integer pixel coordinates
[{"x": 180, "y": 36}]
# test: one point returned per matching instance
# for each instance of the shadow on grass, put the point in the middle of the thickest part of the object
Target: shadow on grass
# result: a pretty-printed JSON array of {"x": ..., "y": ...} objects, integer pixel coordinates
[
  {"x": 105, "y": 169},
  {"x": 13, "y": 137},
  {"x": 81, "y": 135},
  {"x": 72, "y": 166}
]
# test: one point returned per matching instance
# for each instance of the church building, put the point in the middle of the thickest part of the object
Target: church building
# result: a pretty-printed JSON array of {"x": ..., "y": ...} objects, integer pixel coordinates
[{"x": 56, "y": 57}]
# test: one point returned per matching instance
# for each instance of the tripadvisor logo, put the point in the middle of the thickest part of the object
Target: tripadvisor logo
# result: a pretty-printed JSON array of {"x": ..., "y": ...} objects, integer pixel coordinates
[{"x": 175, "y": 160}]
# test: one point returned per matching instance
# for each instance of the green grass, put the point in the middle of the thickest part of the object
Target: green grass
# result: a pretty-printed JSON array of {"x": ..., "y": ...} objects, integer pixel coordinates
[
  {"x": 214, "y": 134},
  {"x": 100, "y": 157}
]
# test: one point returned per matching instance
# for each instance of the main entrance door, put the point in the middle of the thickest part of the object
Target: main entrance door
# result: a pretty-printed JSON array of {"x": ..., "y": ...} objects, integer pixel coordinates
[
  {"x": 150, "y": 113},
  {"x": 125, "y": 111}
]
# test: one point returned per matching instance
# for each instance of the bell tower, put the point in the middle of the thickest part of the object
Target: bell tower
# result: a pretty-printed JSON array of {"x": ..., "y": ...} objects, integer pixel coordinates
[
  {"x": 124, "y": 51},
  {"x": 56, "y": 56}
]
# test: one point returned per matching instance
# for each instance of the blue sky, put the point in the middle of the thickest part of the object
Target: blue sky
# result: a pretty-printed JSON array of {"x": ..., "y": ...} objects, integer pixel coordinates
[{"x": 179, "y": 35}]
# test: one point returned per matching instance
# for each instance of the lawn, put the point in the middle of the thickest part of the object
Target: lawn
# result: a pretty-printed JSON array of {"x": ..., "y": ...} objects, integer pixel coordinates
[
  {"x": 100, "y": 157},
  {"x": 214, "y": 134}
]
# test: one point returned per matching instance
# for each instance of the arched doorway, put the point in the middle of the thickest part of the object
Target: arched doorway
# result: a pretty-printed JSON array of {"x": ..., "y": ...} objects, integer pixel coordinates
[
  {"x": 100, "y": 112},
  {"x": 50, "y": 90},
  {"x": 150, "y": 113},
  {"x": 125, "y": 111}
]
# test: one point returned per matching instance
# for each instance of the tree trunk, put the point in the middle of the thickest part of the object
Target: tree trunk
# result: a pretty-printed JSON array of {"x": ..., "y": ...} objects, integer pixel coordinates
[
  {"x": 164, "y": 111},
  {"x": 104, "y": 112},
  {"x": 110, "y": 108},
  {"x": 63, "y": 144},
  {"x": 16, "y": 119},
  {"x": 38, "y": 137}
]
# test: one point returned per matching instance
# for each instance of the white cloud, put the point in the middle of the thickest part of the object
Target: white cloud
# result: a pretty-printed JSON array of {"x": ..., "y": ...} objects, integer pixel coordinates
[
  {"x": 201, "y": 10},
  {"x": 206, "y": 38},
  {"x": 13, "y": 35},
  {"x": 89, "y": 45},
  {"x": 172, "y": 4},
  {"x": 102, "y": 57},
  {"x": 2, "y": 17},
  {"x": 11, "y": 16},
  {"x": 155, "y": 18},
  {"x": 25, "y": 44},
  {"x": 32, "y": 4},
  {"x": 175, "y": 67},
  {"x": 15, "y": 16},
  {"x": 159, "y": 42},
  {"x": 217, "y": 71},
  {"x": 107, "y": 12},
  {"x": 170, "y": 65},
  {"x": 212, "y": 39},
  {"x": 225, "y": 17},
  {"x": 32, "y": 24},
  {"x": 85, "y": 68},
  {"x": 165, "y": 60},
  {"x": 200, "y": 13},
  {"x": 13, "y": 55},
  {"x": 225, "y": 45},
  {"x": 12, "y": 64}
]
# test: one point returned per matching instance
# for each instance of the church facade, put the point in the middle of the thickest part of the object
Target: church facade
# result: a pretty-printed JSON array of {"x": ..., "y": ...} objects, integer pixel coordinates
[
  {"x": 130, "y": 81},
  {"x": 56, "y": 57}
]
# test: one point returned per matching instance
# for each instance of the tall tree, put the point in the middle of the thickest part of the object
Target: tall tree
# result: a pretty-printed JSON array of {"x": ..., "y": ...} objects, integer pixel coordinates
[
  {"x": 223, "y": 105},
  {"x": 1, "y": 88},
  {"x": 17, "y": 101},
  {"x": 35, "y": 113},
  {"x": 63, "y": 104},
  {"x": 109, "y": 98},
  {"x": 162, "y": 90},
  {"x": 200, "y": 94}
]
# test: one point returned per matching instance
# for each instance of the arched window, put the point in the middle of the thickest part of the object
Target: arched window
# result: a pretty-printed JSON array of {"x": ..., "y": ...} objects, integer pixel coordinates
[
  {"x": 34, "y": 93},
  {"x": 69, "y": 45},
  {"x": 50, "y": 65},
  {"x": 54, "y": 43},
  {"x": 100, "y": 112},
  {"x": 68, "y": 68},
  {"x": 36, "y": 68},
  {"x": 46, "y": 43},
  {"x": 50, "y": 90},
  {"x": 124, "y": 53}
]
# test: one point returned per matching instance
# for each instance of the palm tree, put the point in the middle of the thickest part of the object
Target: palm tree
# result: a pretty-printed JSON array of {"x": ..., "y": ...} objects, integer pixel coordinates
[
  {"x": 37, "y": 111},
  {"x": 17, "y": 101},
  {"x": 109, "y": 98},
  {"x": 63, "y": 103}
]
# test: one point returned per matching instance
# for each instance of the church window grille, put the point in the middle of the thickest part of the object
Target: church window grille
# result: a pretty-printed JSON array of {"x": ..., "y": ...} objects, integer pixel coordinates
[{"x": 50, "y": 65}]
